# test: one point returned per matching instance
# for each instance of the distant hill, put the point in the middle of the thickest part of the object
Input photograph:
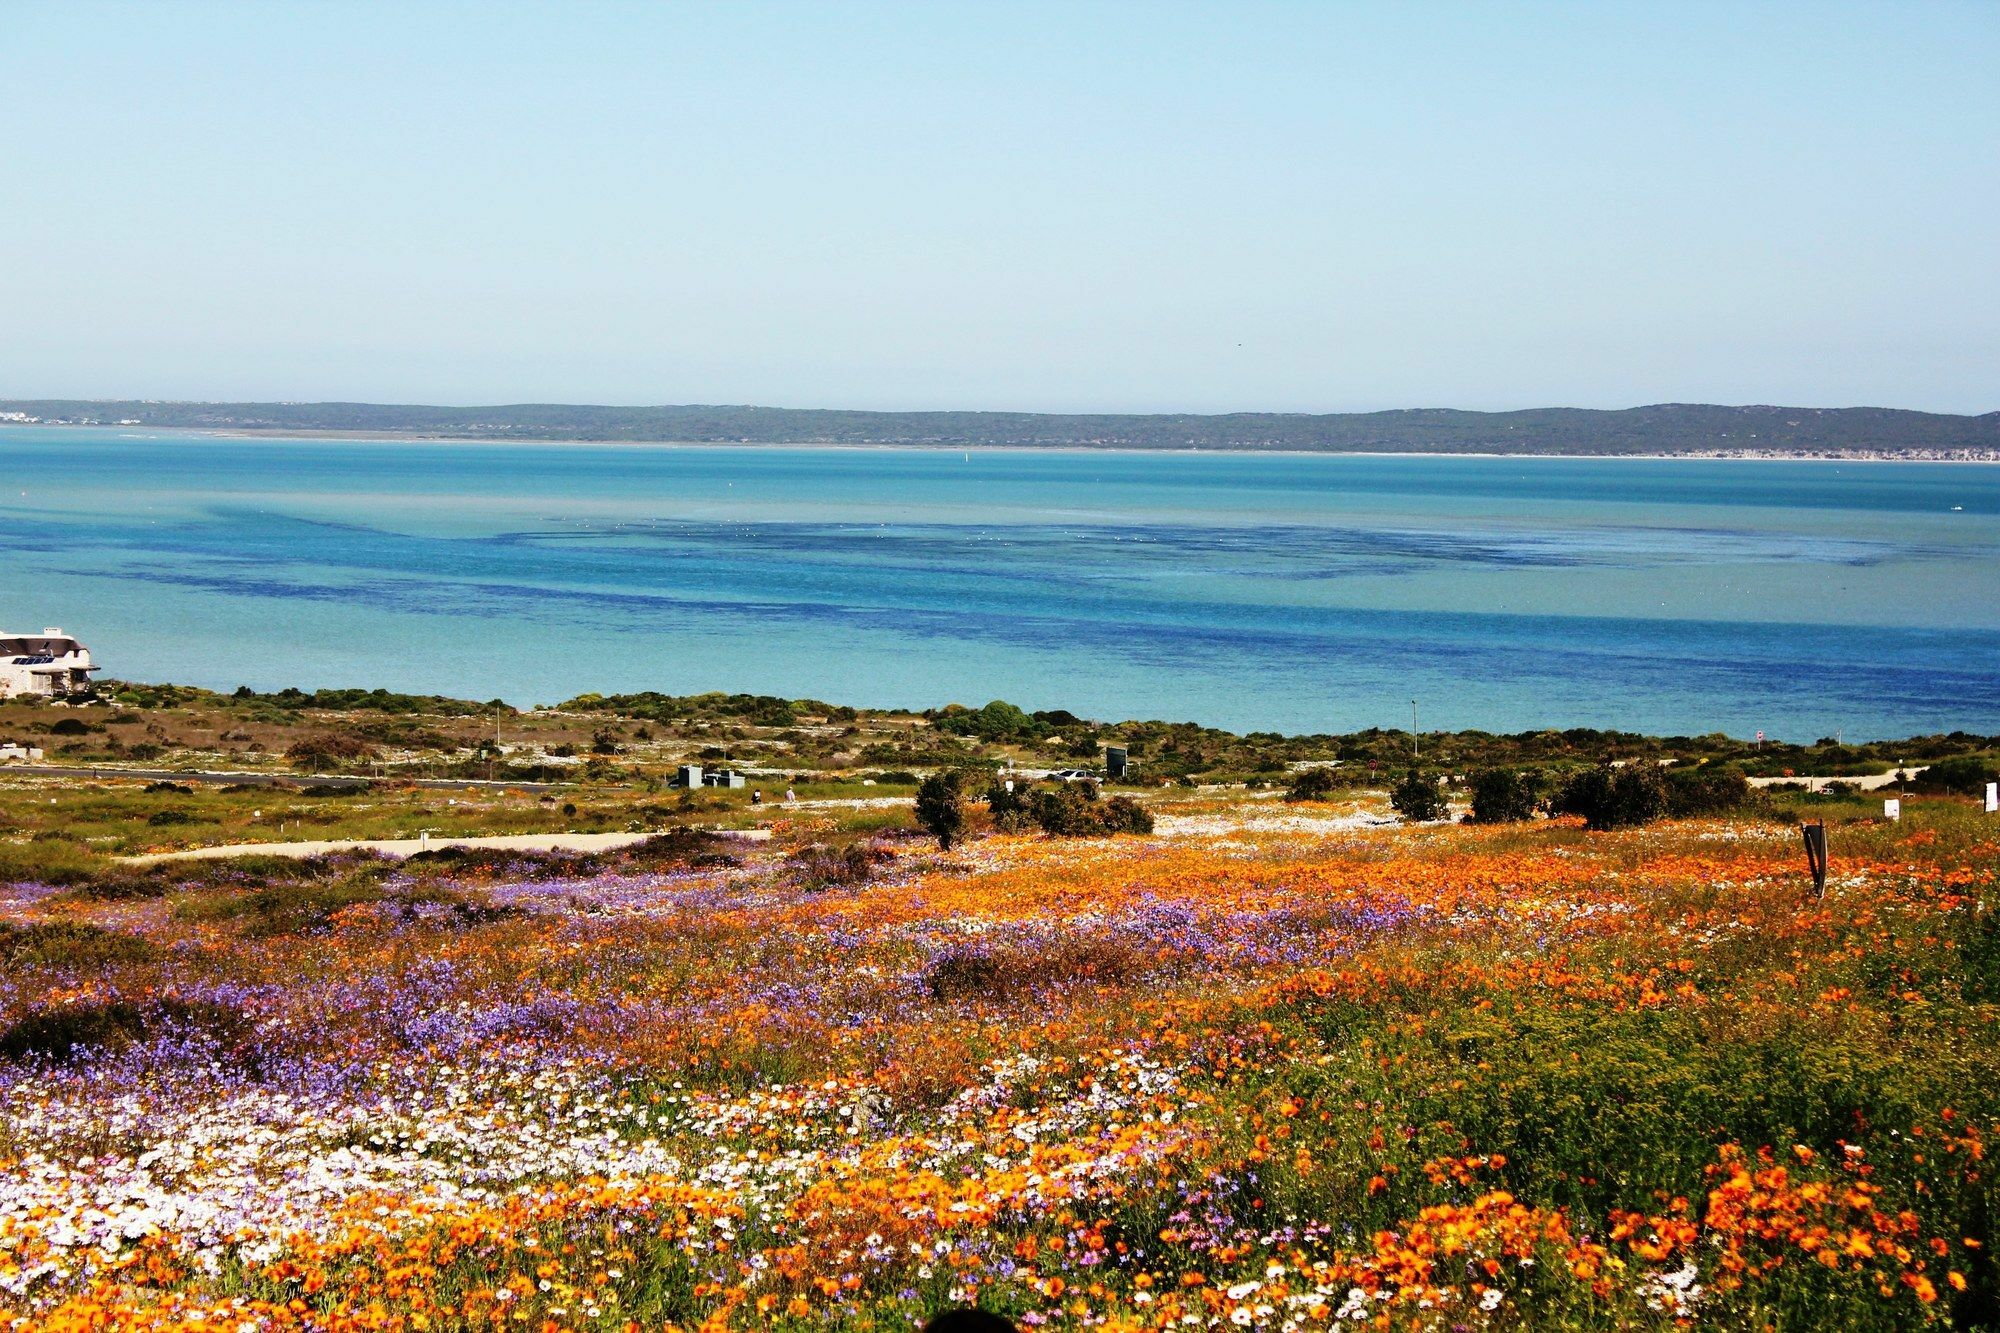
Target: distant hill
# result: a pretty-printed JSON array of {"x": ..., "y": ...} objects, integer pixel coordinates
[{"x": 1663, "y": 429}]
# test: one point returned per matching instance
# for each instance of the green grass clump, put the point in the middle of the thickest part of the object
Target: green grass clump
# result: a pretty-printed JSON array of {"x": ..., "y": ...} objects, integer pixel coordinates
[
  {"x": 70, "y": 944},
  {"x": 286, "y": 908}
]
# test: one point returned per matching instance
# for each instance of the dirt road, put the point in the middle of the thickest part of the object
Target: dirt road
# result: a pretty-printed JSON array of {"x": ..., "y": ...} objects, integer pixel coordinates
[{"x": 519, "y": 842}]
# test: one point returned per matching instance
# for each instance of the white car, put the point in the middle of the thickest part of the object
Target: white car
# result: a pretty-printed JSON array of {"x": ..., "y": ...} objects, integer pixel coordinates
[{"x": 1073, "y": 775}]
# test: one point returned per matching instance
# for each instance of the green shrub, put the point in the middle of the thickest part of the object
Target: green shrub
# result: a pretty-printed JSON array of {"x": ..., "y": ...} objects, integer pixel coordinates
[
  {"x": 1002, "y": 801},
  {"x": 70, "y": 944},
  {"x": 1706, "y": 791},
  {"x": 1419, "y": 797},
  {"x": 997, "y": 721},
  {"x": 1122, "y": 814},
  {"x": 941, "y": 806},
  {"x": 1967, "y": 775},
  {"x": 1507, "y": 795},
  {"x": 1312, "y": 784},
  {"x": 1075, "y": 810},
  {"x": 59, "y": 861},
  {"x": 286, "y": 909},
  {"x": 325, "y": 750},
  {"x": 1613, "y": 796}
]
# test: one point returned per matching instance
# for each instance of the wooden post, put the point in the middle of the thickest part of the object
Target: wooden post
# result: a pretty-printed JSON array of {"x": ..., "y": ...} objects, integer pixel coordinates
[{"x": 1815, "y": 836}]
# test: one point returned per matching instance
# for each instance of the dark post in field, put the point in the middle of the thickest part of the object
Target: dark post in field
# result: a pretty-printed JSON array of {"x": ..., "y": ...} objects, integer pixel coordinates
[{"x": 1815, "y": 836}]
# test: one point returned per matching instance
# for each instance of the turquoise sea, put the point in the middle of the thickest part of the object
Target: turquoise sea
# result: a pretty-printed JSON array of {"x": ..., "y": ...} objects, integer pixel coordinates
[{"x": 1269, "y": 591}]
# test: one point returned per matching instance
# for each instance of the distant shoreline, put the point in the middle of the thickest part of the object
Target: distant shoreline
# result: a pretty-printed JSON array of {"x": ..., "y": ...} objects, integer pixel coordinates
[
  {"x": 1987, "y": 456},
  {"x": 1658, "y": 430}
]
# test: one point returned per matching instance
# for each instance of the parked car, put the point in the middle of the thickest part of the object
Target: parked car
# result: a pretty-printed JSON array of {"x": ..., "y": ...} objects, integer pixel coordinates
[{"x": 1073, "y": 775}]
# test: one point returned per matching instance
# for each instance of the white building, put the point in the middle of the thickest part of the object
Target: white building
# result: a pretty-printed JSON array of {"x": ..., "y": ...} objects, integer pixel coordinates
[{"x": 50, "y": 664}]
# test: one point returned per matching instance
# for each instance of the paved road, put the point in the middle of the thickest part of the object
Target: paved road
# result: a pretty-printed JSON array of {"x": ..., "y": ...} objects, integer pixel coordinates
[
  {"x": 275, "y": 779},
  {"x": 519, "y": 842}
]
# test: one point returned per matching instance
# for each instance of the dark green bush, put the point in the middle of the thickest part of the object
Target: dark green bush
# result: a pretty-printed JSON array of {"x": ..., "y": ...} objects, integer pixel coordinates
[
  {"x": 1075, "y": 810},
  {"x": 1706, "y": 791},
  {"x": 997, "y": 721},
  {"x": 1122, "y": 814},
  {"x": 1312, "y": 784},
  {"x": 1507, "y": 795},
  {"x": 71, "y": 944},
  {"x": 941, "y": 806},
  {"x": 1614, "y": 796},
  {"x": 1967, "y": 775},
  {"x": 1002, "y": 801},
  {"x": 1419, "y": 797}
]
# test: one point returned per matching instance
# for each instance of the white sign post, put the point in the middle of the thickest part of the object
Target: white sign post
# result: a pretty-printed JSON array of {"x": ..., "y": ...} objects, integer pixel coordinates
[
  {"x": 1892, "y": 808},
  {"x": 1993, "y": 797}
]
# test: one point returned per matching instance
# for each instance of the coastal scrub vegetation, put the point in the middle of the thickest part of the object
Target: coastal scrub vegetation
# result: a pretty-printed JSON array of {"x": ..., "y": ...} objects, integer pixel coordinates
[{"x": 597, "y": 739}]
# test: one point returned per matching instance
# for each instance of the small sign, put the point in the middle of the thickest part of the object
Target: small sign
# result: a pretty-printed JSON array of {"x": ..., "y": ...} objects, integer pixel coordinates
[
  {"x": 1892, "y": 808},
  {"x": 1993, "y": 797},
  {"x": 1760, "y": 738}
]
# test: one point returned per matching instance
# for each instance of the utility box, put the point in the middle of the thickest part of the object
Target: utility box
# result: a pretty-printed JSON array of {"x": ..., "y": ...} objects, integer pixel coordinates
[
  {"x": 1115, "y": 764},
  {"x": 688, "y": 775},
  {"x": 725, "y": 778}
]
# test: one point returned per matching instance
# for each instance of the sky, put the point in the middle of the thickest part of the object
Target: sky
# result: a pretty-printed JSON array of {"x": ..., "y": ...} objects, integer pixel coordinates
[{"x": 1062, "y": 207}]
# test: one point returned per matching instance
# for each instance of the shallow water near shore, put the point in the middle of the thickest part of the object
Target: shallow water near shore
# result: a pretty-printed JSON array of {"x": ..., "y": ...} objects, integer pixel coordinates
[{"x": 1254, "y": 591}]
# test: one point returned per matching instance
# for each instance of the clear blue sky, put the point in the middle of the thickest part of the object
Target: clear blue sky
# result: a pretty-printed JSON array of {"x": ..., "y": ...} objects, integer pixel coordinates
[{"x": 1070, "y": 206}]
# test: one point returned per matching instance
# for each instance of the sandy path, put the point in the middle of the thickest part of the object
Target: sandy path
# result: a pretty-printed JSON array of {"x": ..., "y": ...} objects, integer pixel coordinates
[
  {"x": 1870, "y": 782},
  {"x": 519, "y": 842}
]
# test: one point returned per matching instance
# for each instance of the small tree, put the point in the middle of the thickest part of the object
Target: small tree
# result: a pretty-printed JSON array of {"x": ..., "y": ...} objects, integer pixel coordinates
[
  {"x": 1506, "y": 795},
  {"x": 941, "y": 806},
  {"x": 1419, "y": 798}
]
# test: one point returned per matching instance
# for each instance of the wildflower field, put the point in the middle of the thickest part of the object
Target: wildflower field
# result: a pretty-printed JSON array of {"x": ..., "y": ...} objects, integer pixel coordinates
[{"x": 1259, "y": 1070}]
